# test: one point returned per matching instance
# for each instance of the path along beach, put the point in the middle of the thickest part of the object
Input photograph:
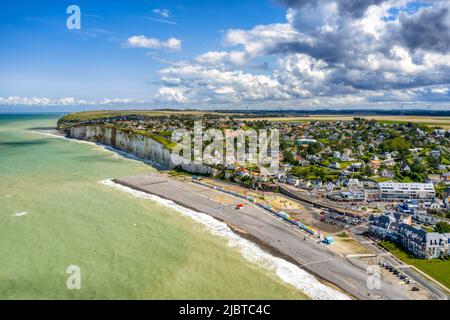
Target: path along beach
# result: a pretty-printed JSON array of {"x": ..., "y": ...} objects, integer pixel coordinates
[{"x": 301, "y": 258}]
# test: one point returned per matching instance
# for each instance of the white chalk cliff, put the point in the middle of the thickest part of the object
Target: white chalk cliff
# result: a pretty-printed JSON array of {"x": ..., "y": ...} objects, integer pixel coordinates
[{"x": 137, "y": 144}]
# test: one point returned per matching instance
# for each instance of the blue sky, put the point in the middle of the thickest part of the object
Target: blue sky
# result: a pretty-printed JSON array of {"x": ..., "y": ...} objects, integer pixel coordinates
[
  {"x": 39, "y": 56},
  {"x": 258, "y": 53}
]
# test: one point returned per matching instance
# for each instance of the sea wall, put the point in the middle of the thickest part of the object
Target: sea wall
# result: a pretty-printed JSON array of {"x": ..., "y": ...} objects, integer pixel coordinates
[{"x": 137, "y": 144}]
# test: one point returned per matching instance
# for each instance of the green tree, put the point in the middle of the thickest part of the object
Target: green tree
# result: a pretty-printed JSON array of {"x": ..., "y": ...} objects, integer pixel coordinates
[
  {"x": 396, "y": 144},
  {"x": 289, "y": 157},
  {"x": 314, "y": 148},
  {"x": 442, "y": 227},
  {"x": 418, "y": 168}
]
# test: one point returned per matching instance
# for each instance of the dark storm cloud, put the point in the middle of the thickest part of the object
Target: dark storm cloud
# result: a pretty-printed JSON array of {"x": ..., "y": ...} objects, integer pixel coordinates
[
  {"x": 345, "y": 49},
  {"x": 328, "y": 49},
  {"x": 374, "y": 80},
  {"x": 341, "y": 44},
  {"x": 429, "y": 30},
  {"x": 356, "y": 8},
  {"x": 335, "y": 51}
]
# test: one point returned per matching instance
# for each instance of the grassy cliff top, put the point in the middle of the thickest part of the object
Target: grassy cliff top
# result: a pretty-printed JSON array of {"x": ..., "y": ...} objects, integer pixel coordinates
[
  {"x": 85, "y": 118},
  {"x": 104, "y": 114},
  {"x": 168, "y": 144},
  {"x": 431, "y": 121}
]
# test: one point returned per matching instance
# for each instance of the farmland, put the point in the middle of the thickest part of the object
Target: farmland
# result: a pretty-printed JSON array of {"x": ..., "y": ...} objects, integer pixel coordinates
[{"x": 443, "y": 122}]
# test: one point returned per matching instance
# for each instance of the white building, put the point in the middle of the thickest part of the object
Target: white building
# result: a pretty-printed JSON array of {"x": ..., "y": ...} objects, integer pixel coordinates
[
  {"x": 335, "y": 166},
  {"x": 306, "y": 141},
  {"x": 392, "y": 191},
  {"x": 353, "y": 184}
]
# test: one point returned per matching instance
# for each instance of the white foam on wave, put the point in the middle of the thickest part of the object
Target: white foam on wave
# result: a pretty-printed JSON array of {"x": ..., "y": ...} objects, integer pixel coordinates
[
  {"x": 286, "y": 271},
  {"x": 20, "y": 214}
]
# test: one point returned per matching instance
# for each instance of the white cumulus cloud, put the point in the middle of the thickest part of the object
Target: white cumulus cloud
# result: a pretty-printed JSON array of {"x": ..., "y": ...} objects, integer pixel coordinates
[
  {"x": 171, "y": 95},
  {"x": 216, "y": 57},
  {"x": 142, "y": 41},
  {"x": 67, "y": 101}
]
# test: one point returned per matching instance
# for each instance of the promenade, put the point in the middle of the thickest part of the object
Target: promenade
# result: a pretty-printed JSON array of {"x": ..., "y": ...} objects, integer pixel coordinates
[{"x": 271, "y": 234}]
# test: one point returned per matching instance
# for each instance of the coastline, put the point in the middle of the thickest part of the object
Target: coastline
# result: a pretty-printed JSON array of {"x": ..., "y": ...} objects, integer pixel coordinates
[
  {"x": 125, "y": 155},
  {"x": 248, "y": 236},
  {"x": 335, "y": 272},
  {"x": 250, "y": 247},
  {"x": 264, "y": 247},
  {"x": 272, "y": 232},
  {"x": 127, "y": 248}
]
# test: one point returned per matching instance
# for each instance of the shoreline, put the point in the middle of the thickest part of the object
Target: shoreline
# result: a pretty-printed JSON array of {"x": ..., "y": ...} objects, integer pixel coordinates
[
  {"x": 281, "y": 264},
  {"x": 248, "y": 236},
  {"x": 269, "y": 234},
  {"x": 330, "y": 271},
  {"x": 277, "y": 253},
  {"x": 126, "y": 155}
]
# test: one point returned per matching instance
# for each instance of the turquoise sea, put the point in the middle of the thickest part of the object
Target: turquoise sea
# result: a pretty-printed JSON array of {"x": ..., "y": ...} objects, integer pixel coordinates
[{"x": 54, "y": 213}]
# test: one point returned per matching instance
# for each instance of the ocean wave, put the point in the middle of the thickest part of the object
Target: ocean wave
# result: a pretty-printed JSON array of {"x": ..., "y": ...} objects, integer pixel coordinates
[
  {"x": 286, "y": 271},
  {"x": 20, "y": 214}
]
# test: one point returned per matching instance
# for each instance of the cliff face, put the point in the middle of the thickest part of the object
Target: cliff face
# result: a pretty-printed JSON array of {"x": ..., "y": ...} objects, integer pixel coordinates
[{"x": 137, "y": 144}]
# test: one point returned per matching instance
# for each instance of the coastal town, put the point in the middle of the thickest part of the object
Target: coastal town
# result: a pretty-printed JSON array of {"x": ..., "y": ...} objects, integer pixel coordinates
[
  {"x": 342, "y": 182},
  {"x": 226, "y": 158},
  {"x": 358, "y": 162}
]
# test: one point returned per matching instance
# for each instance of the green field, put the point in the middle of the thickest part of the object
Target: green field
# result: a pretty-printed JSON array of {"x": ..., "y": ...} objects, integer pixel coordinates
[
  {"x": 430, "y": 121},
  {"x": 439, "y": 269},
  {"x": 90, "y": 115}
]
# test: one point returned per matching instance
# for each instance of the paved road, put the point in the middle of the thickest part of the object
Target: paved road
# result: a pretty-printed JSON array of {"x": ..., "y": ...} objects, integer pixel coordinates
[
  {"x": 358, "y": 232},
  {"x": 272, "y": 232}
]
